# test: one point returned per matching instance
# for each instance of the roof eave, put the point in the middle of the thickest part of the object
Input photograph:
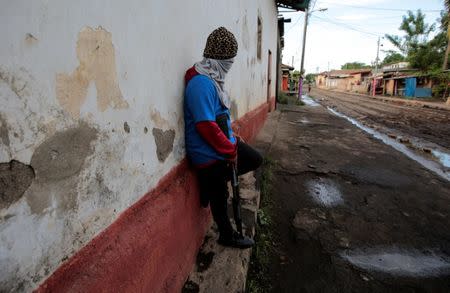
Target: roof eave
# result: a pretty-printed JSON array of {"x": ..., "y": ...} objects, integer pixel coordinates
[{"x": 299, "y": 5}]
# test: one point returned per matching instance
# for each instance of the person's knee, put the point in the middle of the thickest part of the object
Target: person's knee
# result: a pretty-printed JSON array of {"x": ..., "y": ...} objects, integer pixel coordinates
[{"x": 258, "y": 161}]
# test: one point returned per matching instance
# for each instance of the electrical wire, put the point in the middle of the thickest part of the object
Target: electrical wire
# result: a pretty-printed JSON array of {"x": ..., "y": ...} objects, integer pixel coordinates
[
  {"x": 376, "y": 8},
  {"x": 314, "y": 5},
  {"x": 345, "y": 23},
  {"x": 347, "y": 26},
  {"x": 299, "y": 17}
]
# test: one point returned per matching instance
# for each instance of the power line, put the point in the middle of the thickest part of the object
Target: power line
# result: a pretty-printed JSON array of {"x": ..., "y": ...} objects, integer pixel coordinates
[
  {"x": 347, "y": 26},
  {"x": 299, "y": 17},
  {"x": 314, "y": 4},
  {"x": 377, "y": 8}
]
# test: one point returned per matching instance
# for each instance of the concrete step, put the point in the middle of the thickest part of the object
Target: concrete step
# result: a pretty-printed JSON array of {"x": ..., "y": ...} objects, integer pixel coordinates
[{"x": 221, "y": 269}]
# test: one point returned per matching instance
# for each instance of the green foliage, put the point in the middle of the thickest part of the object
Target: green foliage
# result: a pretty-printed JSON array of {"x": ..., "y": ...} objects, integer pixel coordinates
[
  {"x": 310, "y": 78},
  {"x": 299, "y": 102},
  {"x": 354, "y": 65},
  {"x": 421, "y": 52},
  {"x": 416, "y": 32},
  {"x": 428, "y": 56},
  {"x": 283, "y": 98},
  {"x": 264, "y": 248},
  {"x": 286, "y": 99},
  {"x": 393, "y": 57},
  {"x": 441, "y": 80}
]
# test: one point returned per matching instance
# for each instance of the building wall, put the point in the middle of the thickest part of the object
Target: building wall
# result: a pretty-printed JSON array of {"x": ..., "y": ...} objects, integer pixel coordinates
[
  {"x": 362, "y": 88},
  {"x": 91, "y": 121},
  {"x": 321, "y": 81},
  {"x": 390, "y": 85},
  {"x": 337, "y": 83},
  {"x": 285, "y": 82}
]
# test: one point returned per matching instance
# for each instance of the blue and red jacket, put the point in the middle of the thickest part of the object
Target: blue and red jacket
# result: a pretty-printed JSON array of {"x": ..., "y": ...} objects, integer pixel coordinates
[{"x": 205, "y": 141}]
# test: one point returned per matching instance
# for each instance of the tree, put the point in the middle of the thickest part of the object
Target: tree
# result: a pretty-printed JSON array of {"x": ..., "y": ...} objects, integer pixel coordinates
[
  {"x": 354, "y": 65},
  {"x": 428, "y": 56},
  {"x": 446, "y": 24},
  {"x": 310, "y": 77},
  {"x": 416, "y": 32},
  {"x": 420, "y": 52},
  {"x": 393, "y": 57}
]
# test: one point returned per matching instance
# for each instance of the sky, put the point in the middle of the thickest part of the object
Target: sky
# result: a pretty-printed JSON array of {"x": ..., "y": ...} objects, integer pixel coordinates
[{"x": 348, "y": 31}]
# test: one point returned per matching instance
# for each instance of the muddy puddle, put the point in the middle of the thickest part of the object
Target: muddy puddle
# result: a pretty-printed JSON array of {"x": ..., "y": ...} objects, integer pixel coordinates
[
  {"x": 398, "y": 262},
  {"x": 324, "y": 191},
  {"x": 439, "y": 165},
  {"x": 309, "y": 101}
]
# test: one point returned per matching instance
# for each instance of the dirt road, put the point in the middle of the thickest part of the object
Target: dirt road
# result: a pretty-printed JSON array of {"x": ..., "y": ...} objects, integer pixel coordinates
[
  {"x": 432, "y": 125},
  {"x": 350, "y": 213}
]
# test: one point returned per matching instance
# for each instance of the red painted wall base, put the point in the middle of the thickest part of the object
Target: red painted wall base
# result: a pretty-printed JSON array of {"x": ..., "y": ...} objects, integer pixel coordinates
[
  {"x": 152, "y": 246},
  {"x": 272, "y": 104}
]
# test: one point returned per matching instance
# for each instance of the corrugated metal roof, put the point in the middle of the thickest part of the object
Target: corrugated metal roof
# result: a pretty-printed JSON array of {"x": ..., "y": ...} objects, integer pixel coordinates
[
  {"x": 285, "y": 66},
  {"x": 299, "y": 5},
  {"x": 346, "y": 72},
  {"x": 350, "y": 71}
]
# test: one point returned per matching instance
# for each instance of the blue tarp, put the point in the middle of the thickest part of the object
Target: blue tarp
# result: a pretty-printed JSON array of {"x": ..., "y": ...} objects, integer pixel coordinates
[
  {"x": 410, "y": 89},
  {"x": 424, "y": 92}
]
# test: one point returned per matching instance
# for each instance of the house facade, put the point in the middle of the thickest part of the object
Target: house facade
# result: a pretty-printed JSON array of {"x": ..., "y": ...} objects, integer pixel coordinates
[
  {"x": 286, "y": 77},
  {"x": 97, "y": 192},
  {"x": 354, "y": 80}
]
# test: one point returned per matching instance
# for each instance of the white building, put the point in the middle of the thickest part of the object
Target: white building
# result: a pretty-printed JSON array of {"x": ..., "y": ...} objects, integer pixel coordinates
[
  {"x": 395, "y": 66},
  {"x": 96, "y": 191}
]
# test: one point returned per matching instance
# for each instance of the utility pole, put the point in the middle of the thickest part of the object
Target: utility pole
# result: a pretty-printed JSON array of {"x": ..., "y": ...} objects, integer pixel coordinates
[
  {"x": 300, "y": 79},
  {"x": 378, "y": 54},
  {"x": 292, "y": 64},
  {"x": 377, "y": 60}
]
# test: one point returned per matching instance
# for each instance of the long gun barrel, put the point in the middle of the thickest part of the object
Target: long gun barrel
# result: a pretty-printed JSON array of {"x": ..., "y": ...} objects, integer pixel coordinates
[
  {"x": 236, "y": 199},
  {"x": 222, "y": 121}
]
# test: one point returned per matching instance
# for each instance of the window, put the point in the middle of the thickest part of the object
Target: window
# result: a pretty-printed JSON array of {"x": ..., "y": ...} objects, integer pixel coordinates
[{"x": 259, "y": 44}]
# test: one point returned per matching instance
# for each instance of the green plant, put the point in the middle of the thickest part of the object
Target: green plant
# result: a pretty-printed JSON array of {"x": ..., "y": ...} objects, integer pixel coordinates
[
  {"x": 441, "y": 80},
  {"x": 283, "y": 98},
  {"x": 263, "y": 250},
  {"x": 286, "y": 99},
  {"x": 421, "y": 49},
  {"x": 299, "y": 102},
  {"x": 355, "y": 65}
]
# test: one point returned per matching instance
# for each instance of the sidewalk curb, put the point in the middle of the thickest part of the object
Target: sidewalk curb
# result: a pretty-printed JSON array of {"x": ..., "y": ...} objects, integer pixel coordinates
[{"x": 222, "y": 269}]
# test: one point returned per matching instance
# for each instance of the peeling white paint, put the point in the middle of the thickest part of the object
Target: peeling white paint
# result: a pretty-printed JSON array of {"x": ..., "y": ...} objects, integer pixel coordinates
[
  {"x": 400, "y": 262},
  {"x": 150, "y": 69}
]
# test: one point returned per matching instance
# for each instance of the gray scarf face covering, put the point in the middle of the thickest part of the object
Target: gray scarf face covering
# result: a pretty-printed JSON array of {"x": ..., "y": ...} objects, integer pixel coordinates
[{"x": 216, "y": 70}]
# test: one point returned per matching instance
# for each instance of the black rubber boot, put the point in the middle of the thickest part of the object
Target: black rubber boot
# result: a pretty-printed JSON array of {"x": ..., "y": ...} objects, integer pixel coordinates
[{"x": 236, "y": 241}]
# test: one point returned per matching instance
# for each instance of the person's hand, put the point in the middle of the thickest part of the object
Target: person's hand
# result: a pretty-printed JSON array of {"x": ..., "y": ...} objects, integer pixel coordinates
[
  {"x": 239, "y": 138},
  {"x": 232, "y": 158}
]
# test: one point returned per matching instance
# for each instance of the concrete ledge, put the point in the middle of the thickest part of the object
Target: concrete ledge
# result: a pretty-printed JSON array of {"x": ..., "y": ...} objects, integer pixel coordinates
[{"x": 221, "y": 269}]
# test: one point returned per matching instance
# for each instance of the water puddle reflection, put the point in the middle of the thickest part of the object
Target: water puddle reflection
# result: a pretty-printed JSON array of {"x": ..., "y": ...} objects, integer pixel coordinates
[
  {"x": 324, "y": 191},
  {"x": 400, "y": 262},
  {"x": 308, "y": 101},
  {"x": 427, "y": 163}
]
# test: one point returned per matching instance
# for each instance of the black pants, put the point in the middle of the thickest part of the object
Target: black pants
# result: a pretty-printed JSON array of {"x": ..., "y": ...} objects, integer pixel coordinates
[{"x": 214, "y": 189}]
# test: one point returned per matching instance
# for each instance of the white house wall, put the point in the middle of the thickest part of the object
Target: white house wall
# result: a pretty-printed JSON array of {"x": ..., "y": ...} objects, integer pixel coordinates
[{"x": 91, "y": 97}]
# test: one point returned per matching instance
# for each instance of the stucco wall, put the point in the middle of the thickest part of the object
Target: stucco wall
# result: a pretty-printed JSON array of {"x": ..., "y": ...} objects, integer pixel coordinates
[{"x": 91, "y": 112}]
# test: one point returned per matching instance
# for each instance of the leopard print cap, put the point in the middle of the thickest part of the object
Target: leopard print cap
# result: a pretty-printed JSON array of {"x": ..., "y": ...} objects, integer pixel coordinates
[{"x": 221, "y": 44}]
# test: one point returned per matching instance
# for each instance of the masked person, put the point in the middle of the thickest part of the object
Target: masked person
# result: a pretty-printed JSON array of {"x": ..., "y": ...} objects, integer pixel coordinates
[{"x": 210, "y": 142}]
